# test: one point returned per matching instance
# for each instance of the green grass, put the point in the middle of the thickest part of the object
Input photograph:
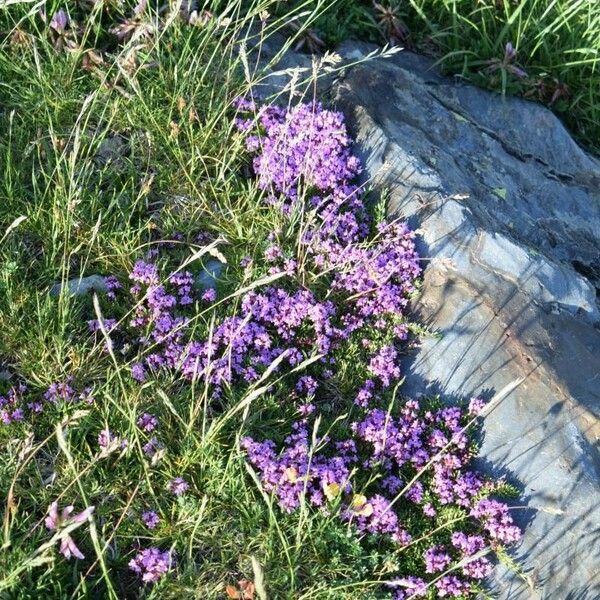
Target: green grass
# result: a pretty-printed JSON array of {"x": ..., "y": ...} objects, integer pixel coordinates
[
  {"x": 177, "y": 169},
  {"x": 557, "y": 42}
]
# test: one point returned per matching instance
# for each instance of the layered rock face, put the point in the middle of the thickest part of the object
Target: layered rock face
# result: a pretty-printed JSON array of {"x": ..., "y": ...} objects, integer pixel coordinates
[{"x": 508, "y": 210}]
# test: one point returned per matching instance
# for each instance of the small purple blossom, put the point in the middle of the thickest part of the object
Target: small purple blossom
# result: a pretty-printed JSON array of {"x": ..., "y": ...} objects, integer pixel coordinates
[
  {"x": 112, "y": 284},
  {"x": 409, "y": 587},
  {"x": 59, "y": 21},
  {"x": 178, "y": 486},
  {"x": 478, "y": 569},
  {"x": 272, "y": 253},
  {"x": 151, "y": 447},
  {"x": 138, "y": 372},
  {"x": 152, "y": 564},
  {"x": 307, "y": 385},
  {"x": 150, "y": 519},
  {"x": 145, "y": 273},
  {"x": 476, "y": 406},
  {"x": 105, "y": 438},
  {"x": 436, "y": 559},
  {"x": 450, "y": 586},
  {"x": 147, "y": 422},
  {"x": 496, "y": 520},
  {"x": 60, "y": 391},
  {"x": 384, "y": 365},
  {"x": 210, "y": 295}
]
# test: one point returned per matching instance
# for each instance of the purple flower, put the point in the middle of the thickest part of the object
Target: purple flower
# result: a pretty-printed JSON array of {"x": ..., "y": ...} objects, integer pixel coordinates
[
  {"x": 60, "y": 391},
  {"x": 451, "y": 586},
  {"x": 152, "y": 564},
  {"x": 365, "y": 394},
  {"x": 294, "y": 474},
  {"x": 476, "y": 406},
  {"x": 150, "y": 518},
  {"x": 145, "y": 273},
  {"x": 55, "y": 521},
  {"x": 112, "y": 283},
  {"x": 478, "y": 569},
  {"x": 509, "y": 52},
  {"x": 392, "y": 484},
  {"x": 109, "y": 442},
  {"x": 272, "y": 253},
  {"x": 178, "y": 486},
  {"x": 307, "y": 385},
  {"x": 375, "y": 515},
  {"x": 138, "y": 372},
  {"x": 506, "y": 64},
  {"x": 151, "y": 447},
  {"x": 105, "y": 438},
  {"x": 383, "y": 365},
  {"x": 109, "y": 325},
  {"x": 415, "y": 492},
  {"x": 436, "y": 559},
  {"x": 467, "y": 544},
  {"x": 411, "y": 587},
  {"x": 59, "y": 21},
  {"x": 496, "y": 520},
  {"x": 147, "y": 422},
  {"x": 305, "y": 142},
  {"x": 306, "y": 409},
  {"x": 209, "y": 295}
]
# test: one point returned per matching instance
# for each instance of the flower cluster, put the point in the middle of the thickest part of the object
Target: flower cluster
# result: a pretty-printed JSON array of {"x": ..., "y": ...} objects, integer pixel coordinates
[
  {"x": 374, "y": 274},
  {"x": 178, "y": 486},
  {"x": 305, "y": 148},
  {"x": 151, "y": 564},
  {"x": 304, "y": 145},
  {"x": 150, "y": 519},
  {"x": 421, "y": 460},
  {"x": 12, "y": 406},
  {"x": 272, "y": 324},
  {"x": 497, "y": 521},
  {"x": 20, "y": 404},
  {"x": 295, "y": 472}
]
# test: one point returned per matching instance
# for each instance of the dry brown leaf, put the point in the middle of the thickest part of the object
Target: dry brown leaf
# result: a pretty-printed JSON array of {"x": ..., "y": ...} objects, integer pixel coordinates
[{"x": 174, "y": 129}]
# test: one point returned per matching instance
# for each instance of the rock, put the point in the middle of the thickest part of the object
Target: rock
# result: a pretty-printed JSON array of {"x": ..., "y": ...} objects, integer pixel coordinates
[
  {"x": 508, "y": 207},
  {"x": 112, "y": 151},
  {"x": 80, "y": 286},
  {"x": 209, "y": 276}
]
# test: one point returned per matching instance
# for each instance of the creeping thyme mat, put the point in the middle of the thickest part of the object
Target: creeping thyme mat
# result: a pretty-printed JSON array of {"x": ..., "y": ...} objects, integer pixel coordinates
[{"x": 300, "y": 369}]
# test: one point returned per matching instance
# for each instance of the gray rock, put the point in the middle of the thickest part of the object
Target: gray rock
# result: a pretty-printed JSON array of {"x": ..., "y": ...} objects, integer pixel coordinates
[
  {"x": 80, "y": 286},
  {"x": 112, "y": 151},
  {"x": 209, "y": 276},
  {"x": 508, "y": 207}
]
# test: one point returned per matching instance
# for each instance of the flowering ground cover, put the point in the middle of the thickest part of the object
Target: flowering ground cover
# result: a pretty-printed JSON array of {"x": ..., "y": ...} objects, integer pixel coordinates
[{"x": 225, "y": 416}]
